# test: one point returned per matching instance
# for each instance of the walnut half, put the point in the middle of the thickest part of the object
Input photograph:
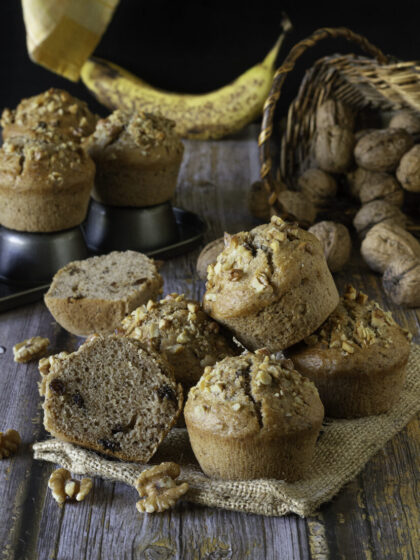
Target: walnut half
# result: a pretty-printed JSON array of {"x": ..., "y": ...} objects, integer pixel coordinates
[
  {"x": 157, "y": 488},
  {"x": 9, "y": 443}
]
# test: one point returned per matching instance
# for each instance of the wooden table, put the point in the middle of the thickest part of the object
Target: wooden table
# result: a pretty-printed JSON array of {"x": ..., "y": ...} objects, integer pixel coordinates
[{"x": 375, "y": 517}]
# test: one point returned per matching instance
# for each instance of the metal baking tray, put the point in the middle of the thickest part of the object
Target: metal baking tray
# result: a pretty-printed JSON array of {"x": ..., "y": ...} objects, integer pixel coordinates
[{"x": 186, "y": 233}]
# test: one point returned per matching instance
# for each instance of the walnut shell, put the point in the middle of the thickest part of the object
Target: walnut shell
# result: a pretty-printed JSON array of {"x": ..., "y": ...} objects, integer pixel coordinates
[
  {"x": 406, "y": 119},
  {"x": 381, "y": 186},
  {"x": 297, "y": 205},
  {"x": 381, "y": 150},
  {"x": 408, "y": 172},
  {"x": 355, "y": 179},
  {"x": 375, "y": 212},
  {"x": 334, "y": 149},
  {"x": 333, "y": 112},
  {"x": 336, "y": 242},
  {"x": 317, "y": 185},
  {"x": 401, "y": 281},
  {"x": 363, "y": 132},
  {"x": 208, "y": 256},
  {"x": 258, "y": 201},
  {"x": 385, "y": 242}
]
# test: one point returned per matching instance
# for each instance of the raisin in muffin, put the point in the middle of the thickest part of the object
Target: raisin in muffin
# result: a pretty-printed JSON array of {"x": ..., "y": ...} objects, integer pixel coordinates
[
  {"x": 113, "y": 396},
  {"x": 251, "y": 417},
  {"x": 137, "y": 156},
  {"x": 93, "y": 295},
  {"x": 179, "y": 328},
  {"x": 271, "y": 286},
  {"x": 45, "y": 183},
  {"x": 357, "y": 358},
  {"x": 54, "y": 109}
]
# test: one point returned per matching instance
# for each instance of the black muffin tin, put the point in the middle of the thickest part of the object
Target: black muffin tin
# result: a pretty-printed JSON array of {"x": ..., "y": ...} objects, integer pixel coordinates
[{"x": 28, "y": 261}]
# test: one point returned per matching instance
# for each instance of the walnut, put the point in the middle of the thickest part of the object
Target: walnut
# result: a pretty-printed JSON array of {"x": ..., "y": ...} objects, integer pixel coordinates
[
  {"x": 356, "y": 179},
  {"x": 408, "y": 172},
  {"x": 57, "y": 483},
  {"x": 358, "y": 135},
  {"x": 385, "y": 242},
  {"x": 334, "y": 149},
  {"x": 296, "y": 205},
  {"x": 381, "y": 150},
  {"x": 9, "y": 443},
  {"x": 336, "y": 242},
  {"x": 317, "y": 185},
  {"x": 208, "y": 256},
  {"x": 401, "y": 280},
  {"x": 30, "y": 349},
  {"x": 157, "y": 488},
  {"x": 258, "y": 201},
  {"x": 406, "y": 119},
  {"x": 381, "y": 186},
  {"x": 334, "y": 112},
  {"x": 63, "y": 486},
  {"x": 375, "y": 212}
]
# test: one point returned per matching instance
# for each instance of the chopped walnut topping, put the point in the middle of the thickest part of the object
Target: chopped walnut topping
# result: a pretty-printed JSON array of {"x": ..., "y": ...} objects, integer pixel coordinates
[
  {"x": 158, "y": 489},
  {"x": 30, "y": 349},
  {"x": 9, "y": 443}
]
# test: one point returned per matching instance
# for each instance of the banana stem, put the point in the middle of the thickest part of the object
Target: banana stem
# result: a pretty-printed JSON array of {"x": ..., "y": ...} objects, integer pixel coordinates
[{"x": 286, "y": 25}]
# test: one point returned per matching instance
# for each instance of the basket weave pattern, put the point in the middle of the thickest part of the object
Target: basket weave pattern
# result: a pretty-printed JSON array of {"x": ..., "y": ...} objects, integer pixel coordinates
[{"x": 360, "y": 82}]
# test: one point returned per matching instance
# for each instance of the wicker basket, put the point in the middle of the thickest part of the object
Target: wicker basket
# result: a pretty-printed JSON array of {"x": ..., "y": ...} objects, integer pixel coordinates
[{"x": 361, "y": 82}]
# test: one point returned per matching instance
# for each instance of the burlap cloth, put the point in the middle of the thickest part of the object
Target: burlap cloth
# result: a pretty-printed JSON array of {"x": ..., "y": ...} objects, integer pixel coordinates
[{"x": 343, "y": 448}]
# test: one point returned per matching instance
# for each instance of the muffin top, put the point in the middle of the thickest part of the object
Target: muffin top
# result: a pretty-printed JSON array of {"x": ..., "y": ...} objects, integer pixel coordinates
[
  {"x": 251, "y": 394},
  {"x": 53, "y": 109},
  {"x": 147, "y": 134},
  {"x": 44, "y": 162},
  {"x": 358, "y": 334},
  {"x": 258, "y": 267},
  {"x": 179, "y": 328}
]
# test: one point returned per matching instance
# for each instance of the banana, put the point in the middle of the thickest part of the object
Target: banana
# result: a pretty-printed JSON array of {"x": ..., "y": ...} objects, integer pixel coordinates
[{"x": 211, "y": 115}]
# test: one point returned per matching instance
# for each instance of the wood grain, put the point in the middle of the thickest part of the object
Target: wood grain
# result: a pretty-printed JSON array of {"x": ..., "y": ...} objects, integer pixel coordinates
[{"x": 375, "y": 517}]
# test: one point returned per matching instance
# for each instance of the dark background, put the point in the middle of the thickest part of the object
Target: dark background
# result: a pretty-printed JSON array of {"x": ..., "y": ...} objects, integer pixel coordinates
[{"x": 197, "y": 46}]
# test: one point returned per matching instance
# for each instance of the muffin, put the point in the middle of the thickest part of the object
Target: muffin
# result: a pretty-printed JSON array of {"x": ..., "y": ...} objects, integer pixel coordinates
[
  {"x": 93, "y": 295},
  {"x": 251, "y": 417},
  {"x": 271, "y": 286},
  {"x": 179, "y": 328},
  {"x": 54, "y": 109},
  {"x": 45, "y": 183},
  {"x": 137, "y": 157},
  {"x": 357, "y": 358},
  {"x": 113, "y": 396}
]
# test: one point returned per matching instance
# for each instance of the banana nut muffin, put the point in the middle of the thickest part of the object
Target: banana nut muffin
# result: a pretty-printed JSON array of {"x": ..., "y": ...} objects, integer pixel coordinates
[
  {"x": 179, "y": 328},
  {"x": 93, "y": 295},
  {"x": 138, "y": 156},
  {"x": 45, "y": 183},
  {"x": 54, "y": 109},
  {"x": 111, "y": 395},
  {"x": 253, "y": 416},
  {"x": 357, "y": 358},
  {"x": 271, "y": 286}
]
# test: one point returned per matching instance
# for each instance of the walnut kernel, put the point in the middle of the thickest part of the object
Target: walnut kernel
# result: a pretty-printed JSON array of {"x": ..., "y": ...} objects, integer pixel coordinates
[
  {"x": 158, "y": 489},
  {"x": 30, "y": 349},
  {"x": 63, "y": 486},
  {"x": 9, "y": 443}
]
